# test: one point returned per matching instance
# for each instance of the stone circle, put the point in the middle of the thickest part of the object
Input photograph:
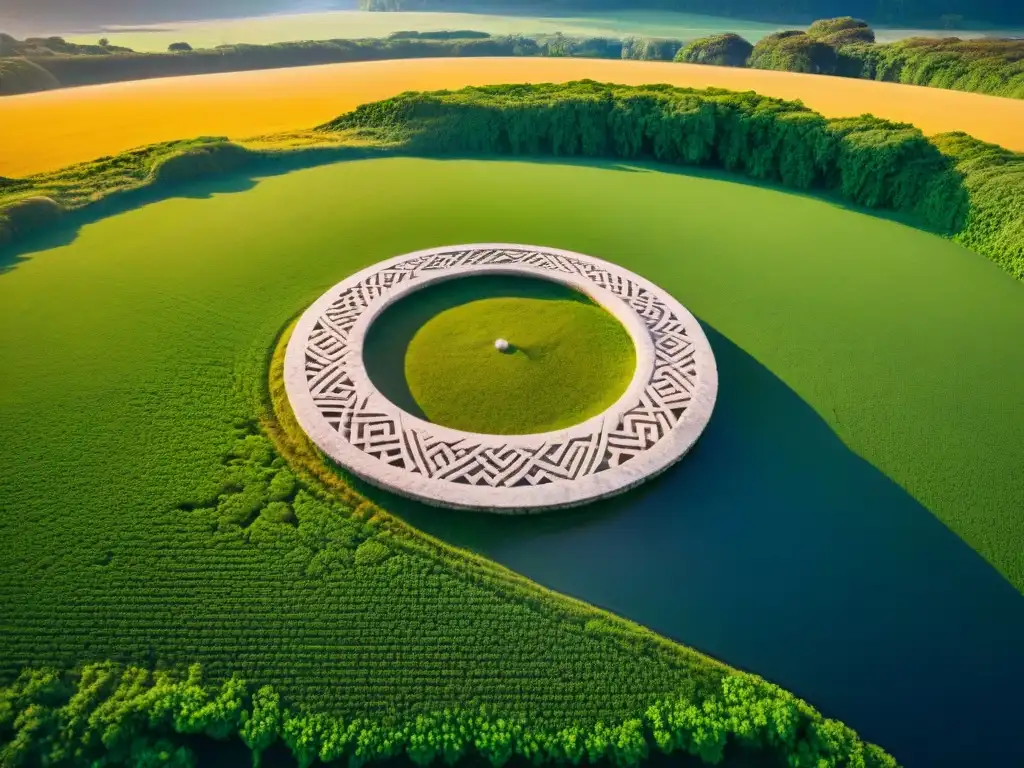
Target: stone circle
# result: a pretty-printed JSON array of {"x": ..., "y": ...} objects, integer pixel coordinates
[{"x": 656, "y": 421}]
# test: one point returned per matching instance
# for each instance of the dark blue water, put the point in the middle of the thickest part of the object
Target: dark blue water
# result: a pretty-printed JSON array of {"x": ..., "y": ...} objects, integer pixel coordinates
[{"x": 776, "y": 549}]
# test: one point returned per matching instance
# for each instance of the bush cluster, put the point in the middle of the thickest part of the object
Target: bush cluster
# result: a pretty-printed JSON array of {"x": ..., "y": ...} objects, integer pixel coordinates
[
  {"x": 728, "y": 50},
  {"x": 126, "y": 715},
  {"x": 846, "y": 46}
]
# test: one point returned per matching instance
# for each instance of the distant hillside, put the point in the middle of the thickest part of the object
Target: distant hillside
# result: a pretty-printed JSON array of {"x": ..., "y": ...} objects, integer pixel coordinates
[{"x": 930, "y": 13}]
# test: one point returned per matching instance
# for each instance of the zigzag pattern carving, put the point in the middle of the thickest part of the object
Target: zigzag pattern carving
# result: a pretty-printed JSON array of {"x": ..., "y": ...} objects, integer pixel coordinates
[{"x": 381, "y": 435}]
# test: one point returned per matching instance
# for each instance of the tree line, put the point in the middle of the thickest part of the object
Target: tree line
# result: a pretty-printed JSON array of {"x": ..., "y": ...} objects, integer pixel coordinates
[
  {"x": 45, "y": 63},
  {"x": 111, "y": 714},
  {"x": 934, "y": 13},
  {"x": 840, "y": 46},
  {"x": 846, "y": 47}
]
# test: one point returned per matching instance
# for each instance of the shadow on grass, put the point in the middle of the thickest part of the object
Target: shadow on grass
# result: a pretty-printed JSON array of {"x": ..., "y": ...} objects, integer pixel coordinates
[
  {"x": 67, "y": 229},
  {"x": 390, "y": 334},
  {"x": 775, "y": 548}
]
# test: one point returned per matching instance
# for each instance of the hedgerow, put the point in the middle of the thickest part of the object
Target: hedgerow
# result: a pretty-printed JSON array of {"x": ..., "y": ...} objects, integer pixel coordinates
[
  {"x": 867, "y": 161},
  {"x": 114, "y": 714}
]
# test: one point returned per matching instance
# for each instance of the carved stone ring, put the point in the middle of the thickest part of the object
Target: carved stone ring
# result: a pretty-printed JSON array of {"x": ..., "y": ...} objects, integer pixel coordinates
[{"x": 659, "y": 417}]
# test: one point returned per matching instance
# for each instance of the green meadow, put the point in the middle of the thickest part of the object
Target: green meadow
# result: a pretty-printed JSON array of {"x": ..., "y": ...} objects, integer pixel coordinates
[
  {"x": 434, "y": 355},
  {"x": 149, "y": 522}
]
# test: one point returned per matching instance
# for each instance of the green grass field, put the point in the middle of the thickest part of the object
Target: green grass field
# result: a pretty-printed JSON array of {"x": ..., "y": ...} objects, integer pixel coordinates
[
  {"x": 569, "y": 359},
  {"x": 149, "y": 522}
]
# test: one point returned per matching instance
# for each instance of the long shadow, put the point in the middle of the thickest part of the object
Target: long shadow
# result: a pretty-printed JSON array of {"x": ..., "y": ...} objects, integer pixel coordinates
[
  {"x": 775, "y": 548},
  {"x": 69, "y": 226}
]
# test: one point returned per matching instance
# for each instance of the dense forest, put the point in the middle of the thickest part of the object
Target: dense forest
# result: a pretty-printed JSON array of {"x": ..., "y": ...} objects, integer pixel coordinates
[{"x": 941, "y": 13}]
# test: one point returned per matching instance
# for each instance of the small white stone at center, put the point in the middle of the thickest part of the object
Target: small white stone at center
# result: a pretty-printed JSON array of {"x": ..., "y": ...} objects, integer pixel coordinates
[{"x": 501, "y": 345}]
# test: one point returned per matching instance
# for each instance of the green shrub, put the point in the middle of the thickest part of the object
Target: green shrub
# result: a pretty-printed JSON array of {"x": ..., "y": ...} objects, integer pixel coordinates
[
  {"x": 728, "y": 50},
  {"x": 121, "y": 715},
  {"x": 794, "y": 51},
  {"x": 841, "y": 31},
  {"x": 650, "y": 48},
  {"x": 202, "y": 161},
  {"x": 455, "y": 34},
  {"x": 28, "y": 215},
  {"x": 994, "y": 181},
  {"x": 371, "y": 552},
  {"x": 19, "y": 75}
]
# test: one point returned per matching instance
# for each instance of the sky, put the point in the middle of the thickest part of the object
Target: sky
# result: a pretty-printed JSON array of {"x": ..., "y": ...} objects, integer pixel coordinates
[{"x": 22, "y": 17}]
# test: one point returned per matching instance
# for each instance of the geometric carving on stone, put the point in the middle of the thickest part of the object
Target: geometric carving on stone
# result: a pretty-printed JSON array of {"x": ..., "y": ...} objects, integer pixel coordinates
[{"x": 654, "y": 423}]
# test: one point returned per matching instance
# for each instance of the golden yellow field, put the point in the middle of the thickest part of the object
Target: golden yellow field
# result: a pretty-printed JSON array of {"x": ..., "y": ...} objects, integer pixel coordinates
[{"x": 45, "y": 131}]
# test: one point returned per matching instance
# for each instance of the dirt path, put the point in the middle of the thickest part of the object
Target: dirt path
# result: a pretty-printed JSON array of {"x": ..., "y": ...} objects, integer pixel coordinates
[{"x": 45, "y": 131}]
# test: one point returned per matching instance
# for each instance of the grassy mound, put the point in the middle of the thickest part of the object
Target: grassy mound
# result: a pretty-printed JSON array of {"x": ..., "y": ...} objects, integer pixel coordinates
[
  {"x": 794, "y": 51},
  {"x": 728, "y": 50},
  {"x": 569, "y": 359},
  {"x": 19, "y": 75}
]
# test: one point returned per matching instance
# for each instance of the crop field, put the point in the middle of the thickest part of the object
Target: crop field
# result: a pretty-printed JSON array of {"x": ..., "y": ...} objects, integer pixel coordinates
[
  {"x": 152, "y": 520},
  {"x": 47, "y": 131},
  {"x": 433, "y": 354}
]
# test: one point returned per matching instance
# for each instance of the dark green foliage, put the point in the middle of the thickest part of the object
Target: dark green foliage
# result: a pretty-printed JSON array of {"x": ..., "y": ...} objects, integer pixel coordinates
[
  {"x": 869, "y": 162},
  {"x": 650, "y": 48},
  {"x": 846, "y": 46},
  {"x": 54, "y": 46},
  {"x": 18, "y": 75},
  {"x": 927, "y": 13},
  {"x": 27, "y": 215},
  {"x": 842, "y": 31},
  {"x": 794, "y": 51},
  {"x": 202, "y": 161},
  {"x": 178, "y": 47},
  {"x": 728, "y": 50},
  {"x": 455, "y": 34},
  {"x": 130, "y": 716},
  {"x": 982, "y": 66},
  {"x": 994, "y": 180}
]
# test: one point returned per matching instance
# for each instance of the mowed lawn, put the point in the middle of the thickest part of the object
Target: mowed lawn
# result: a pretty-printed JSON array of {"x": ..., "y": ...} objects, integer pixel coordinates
[
  {"x": 46, "y": 131},
  {"x": 433, "y": 353}
]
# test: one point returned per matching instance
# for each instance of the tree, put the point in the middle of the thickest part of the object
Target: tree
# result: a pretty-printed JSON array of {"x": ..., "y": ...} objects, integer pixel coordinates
[
  {"x": 179, "y": 47},
  {"x": 104, "y": 42},
  {"x": 728, "y": 50}
]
